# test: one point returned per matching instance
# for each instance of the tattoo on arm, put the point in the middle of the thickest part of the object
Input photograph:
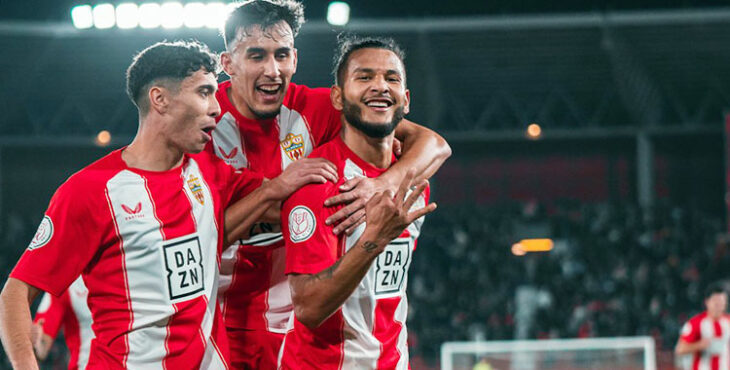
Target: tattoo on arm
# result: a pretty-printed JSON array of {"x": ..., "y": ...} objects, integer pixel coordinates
[
  {"x": 327, "y": 274},
  {"x": 369, "y": 246}
]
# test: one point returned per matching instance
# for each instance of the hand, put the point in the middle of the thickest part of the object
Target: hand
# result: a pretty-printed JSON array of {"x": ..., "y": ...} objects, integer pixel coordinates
[
  {"x": 302, "y": 172},
  {"x": 703, "y": 344},
  {"x": 397, "y": 147},
  {"x": 356, "y": 193},
  {"x": 387, "y": 216}
]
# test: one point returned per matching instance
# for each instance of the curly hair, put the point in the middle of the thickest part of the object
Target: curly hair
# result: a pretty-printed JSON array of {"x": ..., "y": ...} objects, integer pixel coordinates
[
  {"x": 348, "y": 44},
  {"x": 166, "y": 63},
  {"x": 263, "y": 13}
]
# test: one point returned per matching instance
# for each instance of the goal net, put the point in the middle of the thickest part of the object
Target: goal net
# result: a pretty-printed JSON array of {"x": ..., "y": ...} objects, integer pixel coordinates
[{"x": 619, "y": 353}]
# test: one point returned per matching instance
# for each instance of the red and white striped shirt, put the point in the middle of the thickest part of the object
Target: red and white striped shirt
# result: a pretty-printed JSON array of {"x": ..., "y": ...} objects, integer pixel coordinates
[
  {"x": 71, "y": 312},
  {"x": 147, "y": 245},
  {"x": 369, "y": 330},
  {"x": 254, "y": 290},
  {"x": 717, "y": 355}
]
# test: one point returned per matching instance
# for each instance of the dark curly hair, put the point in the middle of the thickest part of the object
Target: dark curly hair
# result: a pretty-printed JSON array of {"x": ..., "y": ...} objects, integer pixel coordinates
[
  {"x": 347, "y": 44},
  {"x": 166, "y": 63},
  {"x": 714, "y": 288},
  {"x": 264, "y": 13}
]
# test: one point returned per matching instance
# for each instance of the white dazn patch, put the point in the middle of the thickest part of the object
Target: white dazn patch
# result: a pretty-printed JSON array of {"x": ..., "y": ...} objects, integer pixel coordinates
[
  {"x": 43, "y": 235},
  {"x": 301, "y": 224}
]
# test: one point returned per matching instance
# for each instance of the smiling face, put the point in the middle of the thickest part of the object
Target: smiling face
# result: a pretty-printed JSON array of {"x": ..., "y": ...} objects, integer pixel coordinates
[
  {"x": 261, "y": 65},
  {"x": 373, "y": 96},
  {"x": 192, "y": 110}
]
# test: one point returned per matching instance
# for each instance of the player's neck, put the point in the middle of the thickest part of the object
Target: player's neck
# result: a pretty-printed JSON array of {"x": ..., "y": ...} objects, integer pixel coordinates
[
  {"x": 150, "y": 152},
  {"x": 240, "y": 105},
  {"x": 376, "y": 151}
]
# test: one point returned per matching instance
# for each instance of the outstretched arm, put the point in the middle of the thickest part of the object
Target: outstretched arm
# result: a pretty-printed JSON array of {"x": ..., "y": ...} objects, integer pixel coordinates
[
  {"x": 423, "y": 151},
  {"x": 15, "y": 323}
]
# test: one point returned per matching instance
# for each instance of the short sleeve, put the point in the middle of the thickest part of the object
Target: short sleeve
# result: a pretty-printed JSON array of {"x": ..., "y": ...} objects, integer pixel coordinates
[
  {"x": 311, "y": 246},
  {"x": 243, "y": 182},
  {"x": 323, "y": 118},
  {"x": 690, "y": 332},
  {"x": 68, "y": 237},
  {"x": 51, "y": 312}
]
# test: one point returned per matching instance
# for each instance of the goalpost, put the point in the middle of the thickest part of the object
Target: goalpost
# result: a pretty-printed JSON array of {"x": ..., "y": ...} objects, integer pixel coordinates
[{"x": 592, "y": 353}]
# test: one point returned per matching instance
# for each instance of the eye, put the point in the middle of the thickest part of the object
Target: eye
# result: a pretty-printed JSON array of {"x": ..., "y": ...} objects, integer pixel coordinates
[
  {"x": 282, "y": 55},
  {"x": 256, "y": 56},
  {"x": 363, "y": 78}
]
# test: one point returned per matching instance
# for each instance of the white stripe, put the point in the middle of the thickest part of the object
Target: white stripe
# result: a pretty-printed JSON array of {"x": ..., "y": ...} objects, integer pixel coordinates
[
  {"x": 707, "y": 331},
  {"x": 292, "y": 122},
  {"x": 141, "y": 239},
  {"x": 227, "y": 136},
  {"x": 78, "y": 294},
  {"x": 725, "y": 355},
  {"x": 401, "y": 315},
  {"x": 279, "y": 294}
]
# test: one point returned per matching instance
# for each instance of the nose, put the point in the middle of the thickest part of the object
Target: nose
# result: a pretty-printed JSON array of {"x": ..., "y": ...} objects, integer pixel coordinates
[
  {"x": 271, "y": 67},
  {"x": 214, "y": 109},
  {"x": 379, "y": 84}
]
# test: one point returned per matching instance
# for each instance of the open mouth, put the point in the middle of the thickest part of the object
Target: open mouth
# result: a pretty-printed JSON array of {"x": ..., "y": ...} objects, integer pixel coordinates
[
  {"x": 379, "y": 103},
  {"x": 269, "y": 89}
]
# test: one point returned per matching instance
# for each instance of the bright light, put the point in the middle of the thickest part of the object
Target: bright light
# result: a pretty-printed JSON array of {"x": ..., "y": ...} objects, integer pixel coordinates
[
  {"x": 103, "y": 138},
  {"x": 82, "y": 17},
  {"x": 536, "y": 245},
  {"x": 104, "y": 16},
  {"x": 194, "y": 15},
  {"x": 149, "y": 15},
  {"x": 517, "y": 250},
  {"x": 534, "y": 131},
  {"x": 338, "y": 13},
  {"x": 127, "y": 15},
  {"x": 172, "y": 15},
  {"x": 216, "y": 15}
]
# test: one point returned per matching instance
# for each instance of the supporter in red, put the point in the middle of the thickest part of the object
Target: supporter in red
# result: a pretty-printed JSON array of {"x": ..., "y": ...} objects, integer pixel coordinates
[
  {"x": 706, "y": 336},
  {"x": 267, "y": 123},
  {"x": 349, "y": 292},
  {"x": 144, "y": 227},
  {"x": 70, "y": 313}
]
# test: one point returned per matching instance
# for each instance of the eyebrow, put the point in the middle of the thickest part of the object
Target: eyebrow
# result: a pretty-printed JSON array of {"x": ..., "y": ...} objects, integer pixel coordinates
[
  {"x": 257, "y": 50},
  {"x": 370, "y": 70}
]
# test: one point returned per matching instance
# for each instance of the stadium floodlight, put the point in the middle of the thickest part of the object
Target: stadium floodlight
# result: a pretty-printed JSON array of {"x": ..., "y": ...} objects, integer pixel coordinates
[
  {"x": 338, "y": 13},
  {"x": 215, "y": 14},
  {"x": 149, "y": 15},
  {"x": 194, "y": 15},
  {"x": 104, "y": 16},
  {"x": 172, "y": 14},
  {"x": 82, "y": 16},
  {"x": 127, "y": 15}
]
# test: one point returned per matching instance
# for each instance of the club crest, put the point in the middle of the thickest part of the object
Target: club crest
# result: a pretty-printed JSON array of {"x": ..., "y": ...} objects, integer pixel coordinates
[
  {"x": 293, "y": 146},
  {"x": 196, "y": 189}
]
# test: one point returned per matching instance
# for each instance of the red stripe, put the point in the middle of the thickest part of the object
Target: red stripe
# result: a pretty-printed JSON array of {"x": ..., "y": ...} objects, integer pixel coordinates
[
  {"x": 387, "y": 330},
  {"x": 127, "y": 295},
  {"x": 184, "y": 353}
]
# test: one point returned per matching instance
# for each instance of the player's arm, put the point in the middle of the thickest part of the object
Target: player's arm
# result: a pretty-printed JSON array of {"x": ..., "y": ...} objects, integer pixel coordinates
[
  {"x": 317, "y": 296},
  {"x": 15, "y": 323},
  {"x": 266, "y": 200},
  {"x": 683, "y": 347},
  {"x": 423, "y": 151}
]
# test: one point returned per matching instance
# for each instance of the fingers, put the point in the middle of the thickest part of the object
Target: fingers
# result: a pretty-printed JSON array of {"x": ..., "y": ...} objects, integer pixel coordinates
[
  {"x": 344, "y": 212},
  {"x": 319, "y": 166},
  {"x": 352, "y": 228},
  {"x": 415, "y": 215},
  {"x": 341, "y": 199},
  {"x": 351, "y": 222},
  {"x": 397, "y": 147},
  {"x": 414, "y": 195},
  {"x": 403, "y": 188},
  {"x": 351, "y": 183}
]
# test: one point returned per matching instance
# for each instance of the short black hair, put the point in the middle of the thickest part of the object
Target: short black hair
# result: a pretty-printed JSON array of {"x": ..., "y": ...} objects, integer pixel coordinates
[
  {"x": 166, "y": 61},
  {"x": 348, "y": 44},
  {"x": 714, "y": 288},
  {"x": 264, "y": 13}
]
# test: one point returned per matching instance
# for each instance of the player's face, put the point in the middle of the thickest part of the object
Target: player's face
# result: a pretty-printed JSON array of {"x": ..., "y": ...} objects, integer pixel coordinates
[
  {"x": 716, "y": 304},
  {"x": 261, "y": 66},
  {"x": 374, "y": 97},
  {"x": 193, "y": 109}
]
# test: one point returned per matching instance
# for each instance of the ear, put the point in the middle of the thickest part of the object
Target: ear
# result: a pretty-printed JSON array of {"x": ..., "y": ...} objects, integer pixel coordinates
[
  {"x": 227, "y": 63},
  {"x": 407, "y": 102},
  {"x": 336, "y": 97},
  {"x": 159, "y": 99},
  {"x": 295, "y": 60}
]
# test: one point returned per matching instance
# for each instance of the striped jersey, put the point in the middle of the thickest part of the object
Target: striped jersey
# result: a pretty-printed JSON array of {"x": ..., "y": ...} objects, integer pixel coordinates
[
  {"x": 70, "y": 312},
  {"x": 369, "y": 330},
  {"x": 255, "y": 293},
  {"x": 146, "y": 244},
  {"x": 717, "y": 355}
]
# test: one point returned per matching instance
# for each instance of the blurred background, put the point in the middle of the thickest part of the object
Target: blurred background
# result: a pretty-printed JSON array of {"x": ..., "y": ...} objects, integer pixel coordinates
[{"x": 597, "y": 124}]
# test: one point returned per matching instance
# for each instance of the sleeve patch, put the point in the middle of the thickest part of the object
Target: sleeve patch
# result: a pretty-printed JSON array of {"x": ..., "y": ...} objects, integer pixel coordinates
[
  {"x": 301, "y": 224},
  {"x": 43, "y": 235}
]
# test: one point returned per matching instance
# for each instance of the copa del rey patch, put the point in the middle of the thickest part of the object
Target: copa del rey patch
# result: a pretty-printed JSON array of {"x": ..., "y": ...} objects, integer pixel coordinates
[
  {"x": 43, "y": 234},
  {"x": 301, "y": 224}
]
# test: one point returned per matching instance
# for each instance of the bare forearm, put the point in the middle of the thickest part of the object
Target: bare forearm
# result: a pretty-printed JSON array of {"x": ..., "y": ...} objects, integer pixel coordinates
[
  {"x": 15, "y": 323},
  {"x": 316, "y": 297},
  {"x": 244, "y": 213},
  {"x": 684, "y": 348},
  {"x": 423, "y": 150}
]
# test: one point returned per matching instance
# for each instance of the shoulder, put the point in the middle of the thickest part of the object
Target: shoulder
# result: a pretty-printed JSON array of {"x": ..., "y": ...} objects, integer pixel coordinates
[
  {"x": 301, "y": 97},
  {"x": 92, "y": 179},
  {"x": 311, "y": 196}
]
